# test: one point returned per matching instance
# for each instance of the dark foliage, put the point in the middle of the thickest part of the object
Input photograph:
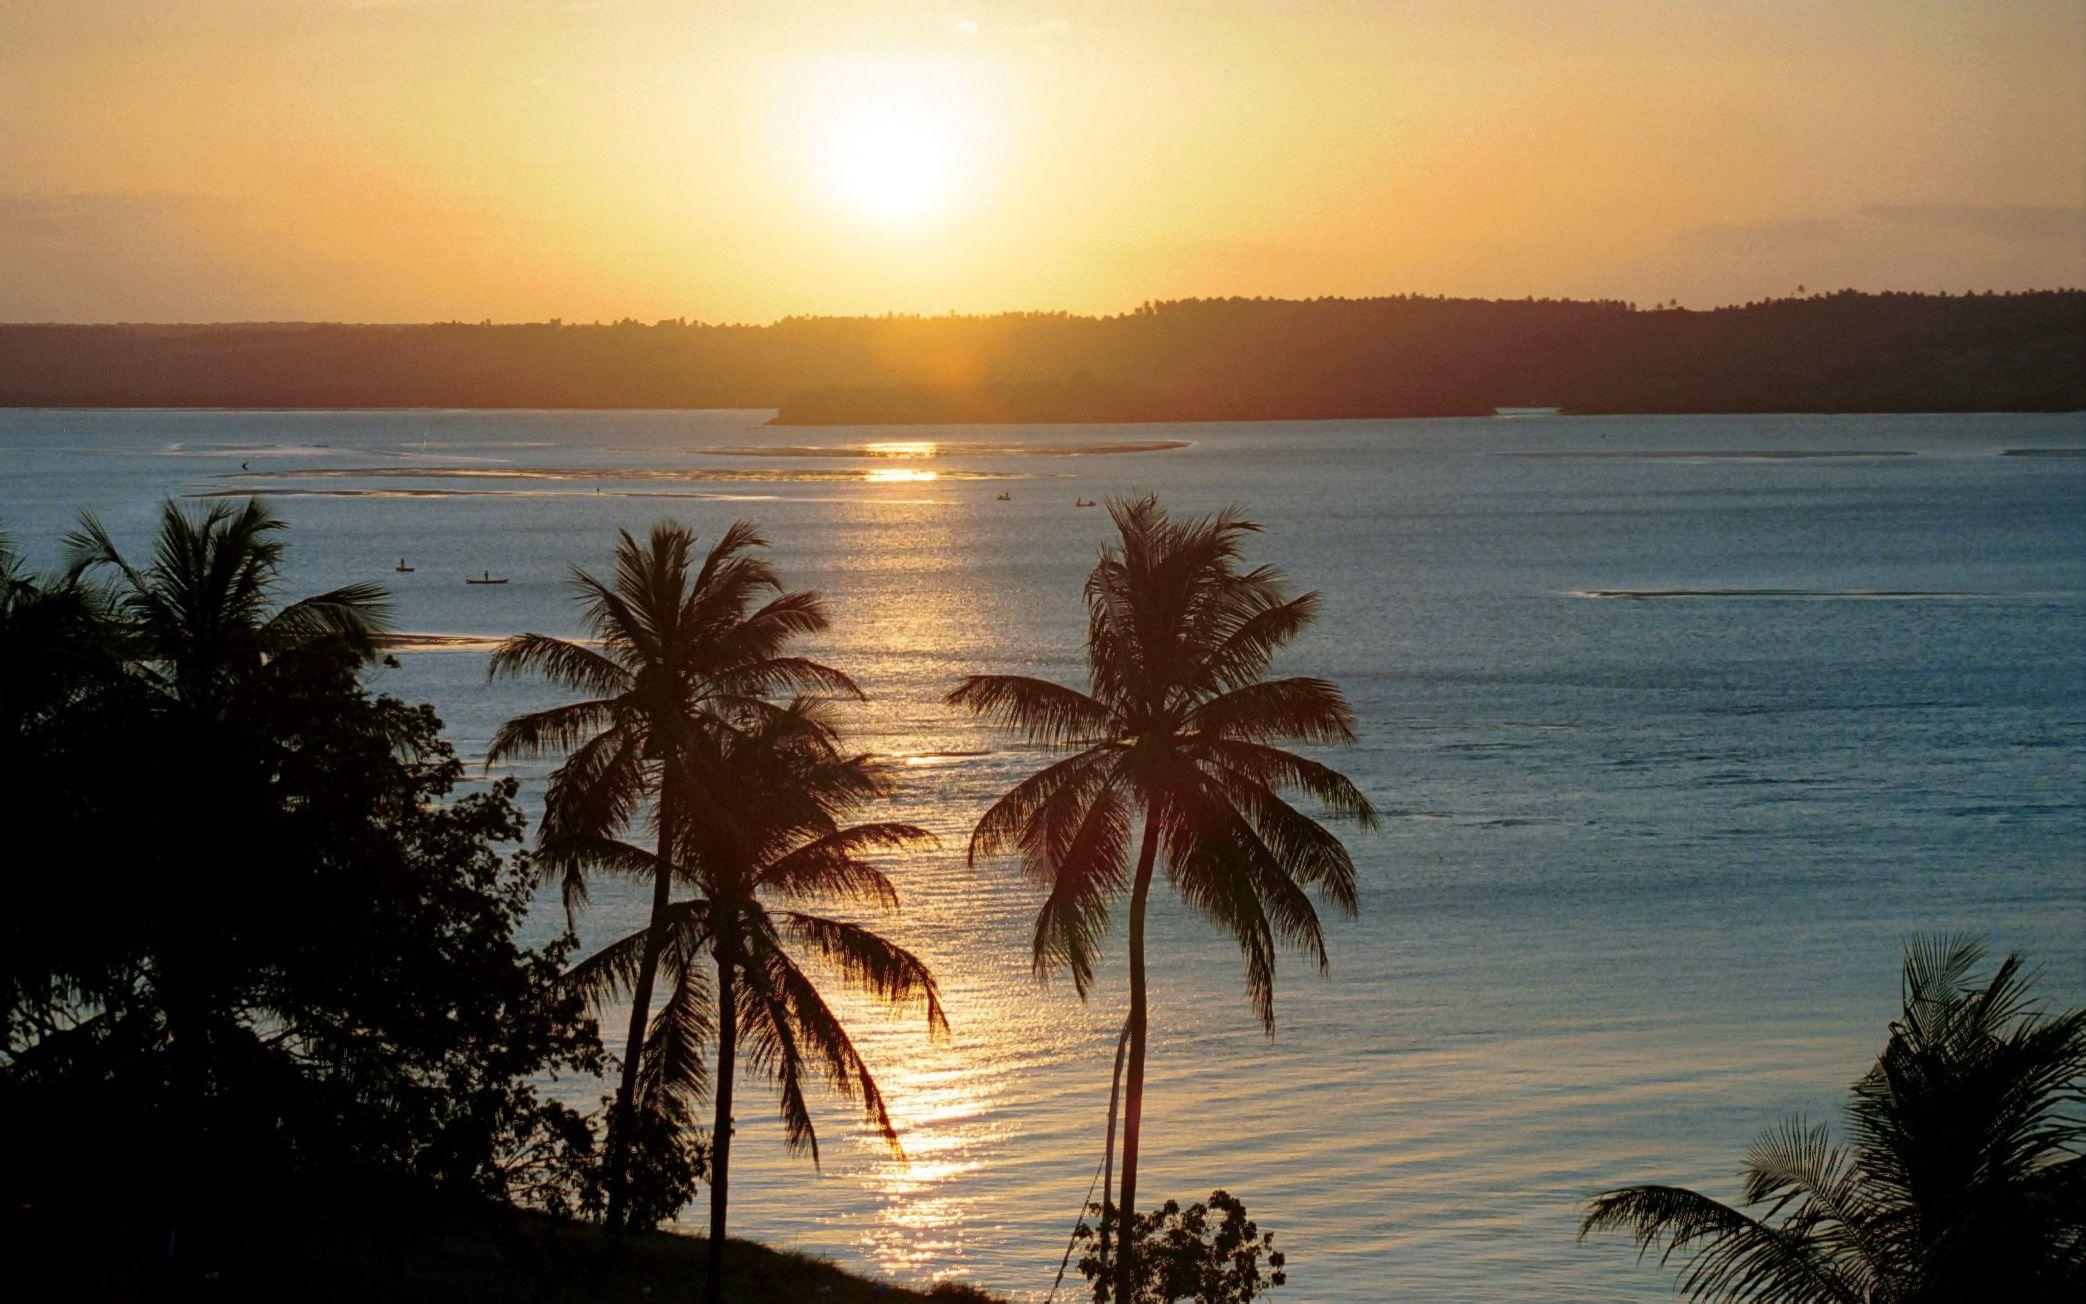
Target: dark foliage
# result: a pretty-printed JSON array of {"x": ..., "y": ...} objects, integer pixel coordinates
[
  {"x": 1211, "y": 1253},
  {"x": 1966, "y": 1178},
  {"x": 263, "y": 964},
  {"x": 1193, "y": 359}
]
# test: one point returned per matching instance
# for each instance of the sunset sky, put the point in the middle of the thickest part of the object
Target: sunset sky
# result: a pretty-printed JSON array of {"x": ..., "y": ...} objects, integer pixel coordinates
[{"x": 202, "y": 160}]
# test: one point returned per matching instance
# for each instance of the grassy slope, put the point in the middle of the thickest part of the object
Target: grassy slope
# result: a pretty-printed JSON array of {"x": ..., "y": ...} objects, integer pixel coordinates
[{"x": 537, "y": 1260}]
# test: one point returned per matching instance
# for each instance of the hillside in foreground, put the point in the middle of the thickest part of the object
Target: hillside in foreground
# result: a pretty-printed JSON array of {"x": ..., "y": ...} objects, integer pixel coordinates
[
  {"x": 519, "y": 1257},
  {"x": 1228, "y": 359}
]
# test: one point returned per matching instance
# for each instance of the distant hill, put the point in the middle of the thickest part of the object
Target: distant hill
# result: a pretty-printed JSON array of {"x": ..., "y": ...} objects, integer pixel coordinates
[{"x": 1196, "y": 359}]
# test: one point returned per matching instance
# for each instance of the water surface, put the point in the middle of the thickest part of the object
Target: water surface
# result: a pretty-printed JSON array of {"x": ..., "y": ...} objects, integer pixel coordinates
[{"x": 1683, "y": 725}]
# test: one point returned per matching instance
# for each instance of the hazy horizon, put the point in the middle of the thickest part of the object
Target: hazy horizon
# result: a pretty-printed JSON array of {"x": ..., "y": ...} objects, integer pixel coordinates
[
  {"x": 1103, "y": 314},
  {"x": 433, "y": 160}
]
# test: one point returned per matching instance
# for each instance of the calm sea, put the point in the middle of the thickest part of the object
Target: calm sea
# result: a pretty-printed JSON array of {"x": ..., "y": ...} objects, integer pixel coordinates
[{"x": 1649, "y": 859}]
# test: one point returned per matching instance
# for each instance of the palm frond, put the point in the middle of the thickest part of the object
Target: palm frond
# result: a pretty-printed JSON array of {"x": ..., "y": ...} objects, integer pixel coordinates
[
  {"x": 575, "y": 854},
  {"x": 761, "y": 635},
  {"x": 674, "y": 1075},
  {"x": 1261, "y": 624},
  {"x": 1306, "y": 850},
  {"x": 1006, "y": 823},
  {"x": 768, "y": 1041},
  {"x": 1220, "y": 867},
  {"x": 612, "y": 971},
  {"x": 1078, "y": 843},
  {"x": 555, "y": 729},
  {"x": 1277, "y": 769},
  {"x": 1730, "y": 1256},
  {"x": 796, "y": 1019},
  {"x": 567, "y": 664},
  {"x": 868, "y": 963},
  {"x": 1044, "y": 712},
  {"x": 774, "y": 675},
  {"x": 832, "y": 865},
  {"x": 1277, "y": 710}
]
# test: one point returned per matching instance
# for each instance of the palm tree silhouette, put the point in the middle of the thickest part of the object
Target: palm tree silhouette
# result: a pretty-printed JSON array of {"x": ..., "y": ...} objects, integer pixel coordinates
[
  {"x": 1965, "y": 1181},
  {"x": 195, "y": 627},
  {"x": 731, "y": 947},
  {"x": 200, "y": 618},
  {"x": 57, "y": 639},
  {"x": 1180, "y": 729},
  {"x": 684, "y": 652}
]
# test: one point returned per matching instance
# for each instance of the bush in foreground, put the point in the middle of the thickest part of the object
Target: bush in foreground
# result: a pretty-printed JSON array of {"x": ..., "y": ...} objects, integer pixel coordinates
[{"x": 1208, "y": 1252}]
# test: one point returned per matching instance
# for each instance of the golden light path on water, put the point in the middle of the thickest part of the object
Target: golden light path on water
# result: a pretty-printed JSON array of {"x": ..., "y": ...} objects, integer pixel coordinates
[
  {"x": 940, "y": 1093},
  {"x": 900, "y": 475},
  {"x": 903, "y": 448}
]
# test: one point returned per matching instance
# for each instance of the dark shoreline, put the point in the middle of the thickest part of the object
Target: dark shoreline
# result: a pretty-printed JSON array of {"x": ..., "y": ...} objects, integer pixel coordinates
[{"x": 1179, "y": 361}]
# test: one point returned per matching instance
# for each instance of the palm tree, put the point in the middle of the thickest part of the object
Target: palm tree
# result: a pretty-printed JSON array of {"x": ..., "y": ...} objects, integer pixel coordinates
[
  {"x": 681, "y": 651},
  {"x": 730, "y": 945},
  {"x": 200, "y": 616},
  {"x": 57, "y": 639},
  {"x": 197, "y": 625},
  {"x": 1966, "y": 1179},
  {"x": 1180, "y": 729}
]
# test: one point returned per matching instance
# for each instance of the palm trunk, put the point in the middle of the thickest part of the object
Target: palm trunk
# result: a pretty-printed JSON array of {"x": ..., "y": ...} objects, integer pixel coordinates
[
  {"x": 623, "y": 1116},
  {"x": 1115, "y": 1091},
  {"x": 1133, "y": 1099},
  {"x": 721, "y": 1127},
  {"x": 189, "y": 1169}
]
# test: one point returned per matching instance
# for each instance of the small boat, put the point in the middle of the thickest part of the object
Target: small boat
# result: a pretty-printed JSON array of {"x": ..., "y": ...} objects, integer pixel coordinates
[
  {"x": 402, "y": 568},
  {"x": 1005, "y": 498},
  {"x": 487, "y": 579},
  {"x": 1082, "y": 502}
]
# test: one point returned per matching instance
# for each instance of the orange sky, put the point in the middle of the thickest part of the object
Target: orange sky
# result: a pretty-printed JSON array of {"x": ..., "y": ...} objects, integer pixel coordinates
[{"x": 523, "y": 159}]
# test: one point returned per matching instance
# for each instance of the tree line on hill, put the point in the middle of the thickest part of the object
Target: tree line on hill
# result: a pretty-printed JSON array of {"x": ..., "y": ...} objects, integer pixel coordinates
[{"x": 1195, "y": 359}]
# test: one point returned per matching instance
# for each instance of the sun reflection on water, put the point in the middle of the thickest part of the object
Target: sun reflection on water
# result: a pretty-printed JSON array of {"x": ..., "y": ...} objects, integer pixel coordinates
[
  {"x": 900, "y": 475},
  {"x": 902, "y": 448},
  {"x": 941, "y": 1100}
]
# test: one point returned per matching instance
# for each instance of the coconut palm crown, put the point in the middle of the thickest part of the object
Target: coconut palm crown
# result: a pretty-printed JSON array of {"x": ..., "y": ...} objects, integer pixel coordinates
[
  {"x": 201, "y": 615},
  {"x": 1179, "y": 727},
  {"x": 1966, "y": 1178}
]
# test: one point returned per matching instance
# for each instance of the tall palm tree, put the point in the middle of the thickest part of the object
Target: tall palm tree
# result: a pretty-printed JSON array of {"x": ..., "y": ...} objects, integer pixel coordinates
[
  {"x": 733, "y": 943},
  {"x": 196, "y": 626},
  {"x": 682, "y": 651},
  {"x": 1179, "y": 730},
  {"x": 1966, "y": 1179},
  {"x": 201, "y": 617}
]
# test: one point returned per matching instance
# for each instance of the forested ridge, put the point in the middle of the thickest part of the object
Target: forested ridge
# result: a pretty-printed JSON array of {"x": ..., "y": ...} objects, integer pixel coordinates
[{"x": 1195, "y": 359}]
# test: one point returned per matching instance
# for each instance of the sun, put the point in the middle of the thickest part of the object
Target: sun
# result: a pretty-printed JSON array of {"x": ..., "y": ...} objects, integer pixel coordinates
[{"x": 892, "y": 166}]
